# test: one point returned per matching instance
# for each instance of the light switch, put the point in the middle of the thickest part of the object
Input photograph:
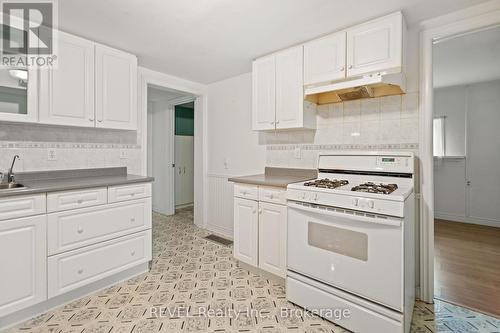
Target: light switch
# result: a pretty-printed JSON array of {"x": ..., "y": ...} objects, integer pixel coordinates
[
  {"x": 51, "y": 154},
  {"x": 297, "y": 153}
]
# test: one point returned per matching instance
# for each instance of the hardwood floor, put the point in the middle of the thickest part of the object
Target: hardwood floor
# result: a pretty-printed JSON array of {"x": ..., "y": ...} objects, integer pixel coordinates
[{"x": 467, "y": 265}]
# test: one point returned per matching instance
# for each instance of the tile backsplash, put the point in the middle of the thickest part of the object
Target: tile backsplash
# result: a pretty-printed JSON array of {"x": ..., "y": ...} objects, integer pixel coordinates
[
  {"x": 384, "y": 123},
  {"x": 74, "y": 147}
]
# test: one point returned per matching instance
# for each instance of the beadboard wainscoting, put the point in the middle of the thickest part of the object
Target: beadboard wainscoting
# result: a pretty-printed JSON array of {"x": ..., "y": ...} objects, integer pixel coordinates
[{"x": 220, "y": 205}]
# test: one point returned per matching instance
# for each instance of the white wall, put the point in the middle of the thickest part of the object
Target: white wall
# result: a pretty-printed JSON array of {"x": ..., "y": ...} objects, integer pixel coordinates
[
  {"x": 451, "y": 103},
  {"x": 472, "y": 112},
  {"x": 233, "y": 148}
]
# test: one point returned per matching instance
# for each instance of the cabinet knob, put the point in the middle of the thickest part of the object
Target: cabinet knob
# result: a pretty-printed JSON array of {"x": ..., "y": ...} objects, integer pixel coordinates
[
  {"x": 277, "y": 122},
  {"x": 272, "y": 122},
  {"x": 132, "y": 219},
  {"x": 260, "y": 211},
  {"x": 132, "y": 194},
  {"x": 350, "y": 66},
  {"x": 80, "y": 271},
  {"x": 79, "y": 201},
  {"x": 79, "y": 230},
  {"x": 90, "y": 119},
  {"x": 342, "y": 68},
  {"x": 132, "y": 253},
  {"x": 254, "y": 211}
]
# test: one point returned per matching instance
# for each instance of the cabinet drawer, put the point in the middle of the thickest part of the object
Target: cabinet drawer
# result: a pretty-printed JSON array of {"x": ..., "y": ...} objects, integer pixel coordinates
[
  {"x": 272, "y": 195},
  {"x": 20, "y": 206},
  {"x": 65, "y": 200},
  {"x": 77, "y": 268},
  {"x": 128, "y": 192},
  {"x": 73, "y": 229},
  {"x": 246, "y": 191}
]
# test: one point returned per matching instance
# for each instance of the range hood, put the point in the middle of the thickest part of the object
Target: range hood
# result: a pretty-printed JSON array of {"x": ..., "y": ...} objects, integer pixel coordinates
[{"x": 369, "y": 86}]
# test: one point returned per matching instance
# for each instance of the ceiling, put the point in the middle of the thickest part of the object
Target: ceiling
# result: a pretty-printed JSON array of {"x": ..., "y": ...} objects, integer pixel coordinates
[
  {"x": 209, "y": 40},
  {"x": 467, "y": 59}
]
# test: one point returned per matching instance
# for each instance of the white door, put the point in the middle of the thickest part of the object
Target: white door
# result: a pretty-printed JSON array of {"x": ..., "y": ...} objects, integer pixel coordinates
[
  {"x": 67, "y": 92},
  {"x": 18, "y": 94},
  {"x": 483, "y": 160},
  {"x": 272, "y": 238},
  {"x": 289, "y": 88},
  {"x": 246, "y": 234},
  {"x": 116, "y": 88},
  {"x": 162, "y": 157},
  {"x": 324, "y": 59},
  {"x": 184, "y": 170},
  {"x": 23, "y": 262},
  {"x": 375, "y": 46},
  {"x": 264, "y": 93}
]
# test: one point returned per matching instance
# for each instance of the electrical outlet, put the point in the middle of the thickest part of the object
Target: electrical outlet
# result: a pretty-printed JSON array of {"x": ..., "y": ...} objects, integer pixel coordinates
[
  {"x": 51, "y": 154},
  {"x": 297, "y": 153},
  {"x": 123, "y": 154}
]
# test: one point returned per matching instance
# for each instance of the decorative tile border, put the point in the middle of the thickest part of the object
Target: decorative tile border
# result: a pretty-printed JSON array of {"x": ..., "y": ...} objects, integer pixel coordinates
[
  {"x": 66, "y": 145},
  {"x": 411, "y": 146}
]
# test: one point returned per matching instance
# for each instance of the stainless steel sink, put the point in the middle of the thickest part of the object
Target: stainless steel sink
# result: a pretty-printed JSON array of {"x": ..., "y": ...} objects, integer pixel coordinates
[{"x": 11, "y": 186}]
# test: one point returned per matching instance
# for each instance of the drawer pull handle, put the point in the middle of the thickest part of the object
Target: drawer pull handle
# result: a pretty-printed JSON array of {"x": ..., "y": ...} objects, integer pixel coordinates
[
  {"x": 132, "y": 253},
  {"x": 80, "y": 271},
  {"x": 132, "y": 219},
  {"x": 79, "y": 230},
  {"x": 80, "y": 201}
]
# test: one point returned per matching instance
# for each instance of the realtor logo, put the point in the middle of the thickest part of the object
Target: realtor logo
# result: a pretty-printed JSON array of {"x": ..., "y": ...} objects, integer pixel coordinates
[{"x": 28, "y": 32}]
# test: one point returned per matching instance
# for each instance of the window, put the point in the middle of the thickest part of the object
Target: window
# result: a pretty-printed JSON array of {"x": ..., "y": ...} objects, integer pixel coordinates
[{"x": 439, "y": 136}]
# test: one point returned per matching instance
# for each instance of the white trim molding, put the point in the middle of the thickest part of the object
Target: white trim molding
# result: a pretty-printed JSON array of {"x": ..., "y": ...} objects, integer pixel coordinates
[
  {"x": 471, "y": 19},
  {"x": 150, "y": 77}
]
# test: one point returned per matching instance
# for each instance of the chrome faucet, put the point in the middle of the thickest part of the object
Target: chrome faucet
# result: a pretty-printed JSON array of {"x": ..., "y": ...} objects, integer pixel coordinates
[{"x": 10, "y": 173}]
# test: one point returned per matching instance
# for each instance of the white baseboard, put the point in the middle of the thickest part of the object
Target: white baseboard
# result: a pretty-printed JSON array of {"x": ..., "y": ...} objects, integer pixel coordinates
[
  {"x": 220, "y": 231},
  {"x": 465, "y": 219},
  {"x": 40, "y": 308}
]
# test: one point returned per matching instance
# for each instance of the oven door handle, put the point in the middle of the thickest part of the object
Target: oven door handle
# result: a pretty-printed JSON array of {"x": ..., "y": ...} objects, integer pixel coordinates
[{"x": 390, "y": 221}]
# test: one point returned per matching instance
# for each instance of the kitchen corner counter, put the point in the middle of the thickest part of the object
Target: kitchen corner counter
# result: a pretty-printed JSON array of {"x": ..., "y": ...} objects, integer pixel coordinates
[
  {"x": 277, "y": 177},
  {"x": 63, "y": 180}
]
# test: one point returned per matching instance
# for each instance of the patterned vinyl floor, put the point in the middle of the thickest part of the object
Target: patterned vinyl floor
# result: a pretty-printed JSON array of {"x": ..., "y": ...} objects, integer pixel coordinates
[{"x": 191, "y": 275}]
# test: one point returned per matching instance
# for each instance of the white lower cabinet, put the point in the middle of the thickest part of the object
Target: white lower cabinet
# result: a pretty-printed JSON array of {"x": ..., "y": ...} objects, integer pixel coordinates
[
  {"x": 73, "y": 269},
  {"x": 23, "y": 263},
  {"x": 246, "y": 230},
  {"x": 260, "y": 229},
  {"x": 272, "y": 238}
]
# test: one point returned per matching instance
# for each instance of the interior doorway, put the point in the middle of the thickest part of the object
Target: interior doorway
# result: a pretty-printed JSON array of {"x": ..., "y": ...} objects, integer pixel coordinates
[
  {"x": 466, "y": 141},
  {"x": 184, "y": 155},
  {"x": 162, "y": 125}
]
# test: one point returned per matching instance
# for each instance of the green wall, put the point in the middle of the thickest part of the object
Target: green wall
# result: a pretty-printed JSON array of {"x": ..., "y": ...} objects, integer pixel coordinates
[{"x": 184, "y": 119}]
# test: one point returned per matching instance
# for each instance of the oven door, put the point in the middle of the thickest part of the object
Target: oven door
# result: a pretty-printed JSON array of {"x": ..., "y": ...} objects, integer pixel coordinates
[{"x": 356, "y": 252}]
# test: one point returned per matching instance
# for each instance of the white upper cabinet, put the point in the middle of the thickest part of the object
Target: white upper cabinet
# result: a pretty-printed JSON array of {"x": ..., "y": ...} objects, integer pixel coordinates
[
  {"x": 325, "y": 59},
  {"x": 290, "y": 88},
  {"x": 116, "y": 88},
  {"x": 376, "y": 46},
  {"x": 18, "y": 94},
  {"x": 278, "y": 92},
  {"x": 264, "y": 93},
  {"x": 67, "y": 92}
]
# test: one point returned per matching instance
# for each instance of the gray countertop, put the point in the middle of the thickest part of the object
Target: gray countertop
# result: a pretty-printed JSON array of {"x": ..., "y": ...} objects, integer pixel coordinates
[
  {"x": 63, "y": 180},
  {"x": 277, "y": 177}
]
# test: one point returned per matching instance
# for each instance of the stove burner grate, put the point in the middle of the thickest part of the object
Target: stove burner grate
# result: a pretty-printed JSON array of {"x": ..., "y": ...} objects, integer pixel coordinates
[
  {"x": 326, "y": 183},
  {"x": 375, "y": 188}
]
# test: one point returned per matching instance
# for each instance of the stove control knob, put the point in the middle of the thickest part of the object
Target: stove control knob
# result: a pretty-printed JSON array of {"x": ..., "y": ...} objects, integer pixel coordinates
[
  {"x": 371, "y": 204},
  {"x": 355, "y": 202}
]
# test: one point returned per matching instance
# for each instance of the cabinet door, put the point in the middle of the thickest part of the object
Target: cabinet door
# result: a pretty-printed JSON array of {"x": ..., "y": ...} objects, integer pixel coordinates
[
  {"x": 23, "y": 261},
  {"x": 18, "y": 94},
  {"x": 116, "y": 88},
  {"x": 246, "y": 230},
  {"x": 272, "y": 238},
  {"x": 290, "y": 88},
  {"x": 264, "y": 93},
  {"x": 375, "y": 46},
  {"x": 324, "y": 59},
  {"x": 67, "y": 92}
]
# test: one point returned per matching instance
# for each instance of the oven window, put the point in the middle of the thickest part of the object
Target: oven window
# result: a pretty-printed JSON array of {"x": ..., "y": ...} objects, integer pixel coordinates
[{"x": 342, "y": 241}]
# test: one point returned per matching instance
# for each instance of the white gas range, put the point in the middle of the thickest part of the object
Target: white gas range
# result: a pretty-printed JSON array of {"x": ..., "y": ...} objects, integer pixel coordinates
[{"x": 351, "y": 241}]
